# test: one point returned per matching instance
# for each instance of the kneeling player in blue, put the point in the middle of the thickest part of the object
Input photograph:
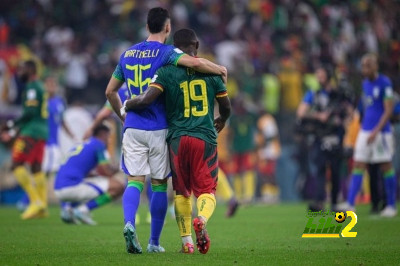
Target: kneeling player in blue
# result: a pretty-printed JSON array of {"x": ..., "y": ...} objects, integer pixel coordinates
[{"x": 78, "y": 190}]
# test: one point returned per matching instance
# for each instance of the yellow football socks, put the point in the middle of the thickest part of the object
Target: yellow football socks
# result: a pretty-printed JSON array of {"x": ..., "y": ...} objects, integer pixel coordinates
[
  {"x": 41, "y": 186},
  {"x": 238, "y": 186},
  {"x": 224, "y": 189},
  {"x": 26, "y": 182},
  {"x": 206, "y": 205},
  {"x": 249, "y": 185},
  {"x": 183, "y": 214}
]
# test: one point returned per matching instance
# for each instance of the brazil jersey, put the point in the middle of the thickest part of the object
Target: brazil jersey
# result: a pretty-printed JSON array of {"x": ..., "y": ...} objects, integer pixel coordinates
[
  {"x": 136, "y": 67},
  {"x": 374, "y": 94},
  {"x": 189, "y": 98},
  {"x": 33, "y": 122},
  {"x": 123, "y": 94},
  {"x": 82, "y": 159},
  {"x": 56, "y": 108}
]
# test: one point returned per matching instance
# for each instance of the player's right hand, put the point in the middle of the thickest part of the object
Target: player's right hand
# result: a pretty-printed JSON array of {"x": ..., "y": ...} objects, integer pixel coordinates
[{"x": 224, "y": 74}]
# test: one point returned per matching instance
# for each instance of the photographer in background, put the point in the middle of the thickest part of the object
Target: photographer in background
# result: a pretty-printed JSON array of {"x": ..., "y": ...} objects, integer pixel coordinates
[{"x": 322, "y": 114}]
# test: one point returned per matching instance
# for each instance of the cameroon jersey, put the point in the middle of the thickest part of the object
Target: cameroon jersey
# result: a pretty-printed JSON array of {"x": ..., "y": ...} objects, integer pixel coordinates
[
  {"x": 374, "y": 94},
  {"x": 136, "y": 67},
  {"x": 56, "y": 108},
  {"x": 189, "y": 98},
  {"x": 33, "y": 122},
  {"x": 82, "y": 159},
  {"x": 243, "y": 127}
]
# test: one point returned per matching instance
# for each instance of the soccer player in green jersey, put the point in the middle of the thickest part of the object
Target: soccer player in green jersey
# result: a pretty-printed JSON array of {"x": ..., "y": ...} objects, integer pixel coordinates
[
  {"x": 29, "y": 146},
  {"x": 192, "y": 135}
]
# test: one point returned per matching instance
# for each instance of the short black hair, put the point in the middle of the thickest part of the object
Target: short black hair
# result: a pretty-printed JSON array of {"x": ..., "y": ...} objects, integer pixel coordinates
[
  {"x": 31, "y": 65},
  {"x": 99, "y": 129},
  {"x": 156, "y": 19},
  {"x": 185, "y": 37}
]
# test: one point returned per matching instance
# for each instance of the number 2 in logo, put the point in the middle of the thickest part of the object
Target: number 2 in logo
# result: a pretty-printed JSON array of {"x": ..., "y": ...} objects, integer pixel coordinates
[{"x": 346, "y": 231}]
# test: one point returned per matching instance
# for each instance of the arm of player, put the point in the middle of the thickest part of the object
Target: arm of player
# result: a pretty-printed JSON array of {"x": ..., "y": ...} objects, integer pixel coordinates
[
  {"x": 67, "y": 130},
  {"x": 203, "y": 65},
  {"x": 145, "y": 99},
  {"x": 224, "y": 105},
  {"x": 388, "y": 110},
  {"x": 103, "y": 114},
  {"x": 304, "y": 111},
  {"x": 113, "y": 97},
  {"x": 106, "y": 169}
]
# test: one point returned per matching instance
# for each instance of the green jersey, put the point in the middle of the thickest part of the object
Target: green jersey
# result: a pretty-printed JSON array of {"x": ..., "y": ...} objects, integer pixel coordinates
[
  {"x": 33, "y": 122},
  {"x": 189, "y": 100}
]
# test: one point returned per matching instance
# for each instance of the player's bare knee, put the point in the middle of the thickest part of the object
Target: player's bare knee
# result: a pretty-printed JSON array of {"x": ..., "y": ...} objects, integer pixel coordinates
[
  {"x": 36, "y": 168},
  {"x": 116, "y": 188},
  {"x": 137, "y": 178},
  {"x": 360, "y": 165},
  {"x": 159, "y": 181},
  {"x": 386, "y": 166}
]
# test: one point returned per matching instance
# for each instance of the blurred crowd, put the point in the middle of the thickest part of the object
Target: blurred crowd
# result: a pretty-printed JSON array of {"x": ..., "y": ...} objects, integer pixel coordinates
[{"x": 270, "y": 47}]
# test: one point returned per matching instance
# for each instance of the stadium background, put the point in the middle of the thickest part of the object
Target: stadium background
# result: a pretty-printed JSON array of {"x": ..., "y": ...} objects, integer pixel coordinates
[{"x": 269, "y": 47}]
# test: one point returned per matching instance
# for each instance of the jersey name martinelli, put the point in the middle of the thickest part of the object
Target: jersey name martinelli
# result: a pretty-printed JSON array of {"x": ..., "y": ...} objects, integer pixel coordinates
[{"x": 136, "y": 67}]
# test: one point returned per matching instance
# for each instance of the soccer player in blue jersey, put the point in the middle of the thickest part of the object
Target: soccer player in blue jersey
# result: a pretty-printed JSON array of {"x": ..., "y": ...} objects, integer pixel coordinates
[
  {"x": 56, "y": 108},
  {"x": 143, "y": 145},
  {"x": 102, "y": 115},
  {"x": 375, "y": 142},
  {"x": 75, "y": 186}
]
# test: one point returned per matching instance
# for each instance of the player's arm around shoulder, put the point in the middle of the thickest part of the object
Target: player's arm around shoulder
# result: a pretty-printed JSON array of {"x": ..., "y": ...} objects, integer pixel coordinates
[
  {"x": 155, "y": 89},
  {"x": 203, "y": 65}
]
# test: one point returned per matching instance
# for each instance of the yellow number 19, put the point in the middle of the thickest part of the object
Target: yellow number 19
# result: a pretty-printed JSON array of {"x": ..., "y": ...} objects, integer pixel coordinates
[{"x": 189, "y": 93}]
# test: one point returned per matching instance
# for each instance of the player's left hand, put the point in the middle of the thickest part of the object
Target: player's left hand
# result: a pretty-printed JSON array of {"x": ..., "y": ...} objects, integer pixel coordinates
[
  {"x": 372, "y": 137},
  {"x": 219, "y": 124}
]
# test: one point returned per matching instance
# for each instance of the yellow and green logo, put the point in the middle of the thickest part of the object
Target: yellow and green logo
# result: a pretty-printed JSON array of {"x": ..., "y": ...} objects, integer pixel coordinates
[{"x": 329, "y": 225}]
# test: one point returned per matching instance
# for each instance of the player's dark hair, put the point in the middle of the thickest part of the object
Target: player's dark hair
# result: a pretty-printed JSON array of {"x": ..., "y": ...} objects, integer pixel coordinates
[
  {"x": 99, "y": 129},
  {"x": 156, "y": 19},
  {"x": 184, "y": 38},
  {"x": 31, "y": 65}
]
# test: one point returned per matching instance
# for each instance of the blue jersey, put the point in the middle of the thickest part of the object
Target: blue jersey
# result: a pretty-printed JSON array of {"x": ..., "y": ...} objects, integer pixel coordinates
[
  {"x": 136, "y": 67},
  {"x": 82, "y": 159},
  {"x": 56, "y": 109},
  {"x": 374, "y": 94},
  {"x": 123, "y": 94}
]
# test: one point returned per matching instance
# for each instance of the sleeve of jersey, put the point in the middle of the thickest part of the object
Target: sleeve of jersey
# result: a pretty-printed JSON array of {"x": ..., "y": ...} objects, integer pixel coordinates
[
  {"x": 388, "y": 90},
  {"x": 101, "y": 156},
  {"x": 159, "y": 81},
  {"x": 31, "y": 107},
  {"x": 119, "y": 73},
  {"x": 108, "y": 105},
  {"x": 220, "y": 89},
  {"x": 173, "y": 55},
  {"x": 308, "y": 97}
]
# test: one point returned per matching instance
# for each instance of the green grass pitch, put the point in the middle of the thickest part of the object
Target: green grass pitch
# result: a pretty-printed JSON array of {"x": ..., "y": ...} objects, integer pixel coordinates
[{"x": 258, "y": 235}]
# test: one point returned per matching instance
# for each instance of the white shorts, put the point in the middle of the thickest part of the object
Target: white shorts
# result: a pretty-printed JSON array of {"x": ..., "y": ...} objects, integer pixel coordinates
[
  {"x": 51, "y": 159},
  {"x": 145, "y": 153},
  {"x": 89, "y": 189},
  {"x": 380, "y": 151}
]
